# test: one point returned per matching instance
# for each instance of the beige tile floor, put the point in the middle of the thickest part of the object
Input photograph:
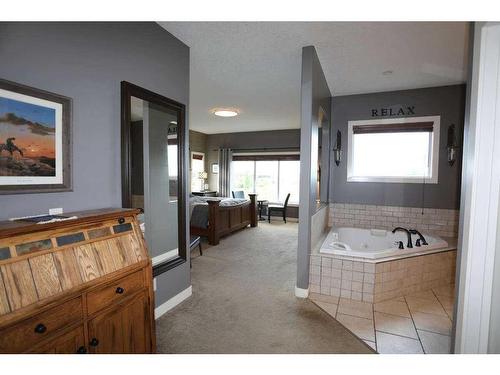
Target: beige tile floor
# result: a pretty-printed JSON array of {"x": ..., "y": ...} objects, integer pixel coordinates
[{"x": 416, "y": 323}]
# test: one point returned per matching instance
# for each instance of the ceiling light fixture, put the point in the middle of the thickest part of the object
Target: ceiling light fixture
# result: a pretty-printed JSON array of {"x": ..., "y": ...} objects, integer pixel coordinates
[
  {"x": 225, "y": 112},
  {"x": 173, "y": 122},
  {"x": 387, "y": 72}
]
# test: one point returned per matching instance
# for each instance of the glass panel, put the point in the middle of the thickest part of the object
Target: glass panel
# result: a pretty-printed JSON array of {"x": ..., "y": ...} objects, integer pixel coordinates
[
  {"x": 242, "y": 176},
  {"x": 4, "y": 253},
  {"x": 70, "y": 238},
  {"x": 162, "y": 178},
  {"x": 391, "y": 155},
  {"x": 120, "y": 228},
  {"x": 137, "y": 152},
  {"x": 31, "y": 247},
  {"x": 100, "y": 232},
  {"x": 266, "y": 180},
  {"x": 289, "y": 180}
]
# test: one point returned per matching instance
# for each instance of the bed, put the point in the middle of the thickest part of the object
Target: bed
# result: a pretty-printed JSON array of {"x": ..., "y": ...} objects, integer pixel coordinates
[{"x": 217, "y": 217}]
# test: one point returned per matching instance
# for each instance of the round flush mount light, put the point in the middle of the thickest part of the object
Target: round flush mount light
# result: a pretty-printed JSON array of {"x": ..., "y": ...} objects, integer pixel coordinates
[
  {"x": 387, "y": 72},
  {"x": 225, "y": 112}
]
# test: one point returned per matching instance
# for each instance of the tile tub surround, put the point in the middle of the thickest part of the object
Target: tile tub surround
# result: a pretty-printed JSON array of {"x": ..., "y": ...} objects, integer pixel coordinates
[
  {"x": 442, "y": 222},
  {"x": 414, "y": 324},
  {"x": 319, "y": 225},
  {"x": 358, "y": 280}
]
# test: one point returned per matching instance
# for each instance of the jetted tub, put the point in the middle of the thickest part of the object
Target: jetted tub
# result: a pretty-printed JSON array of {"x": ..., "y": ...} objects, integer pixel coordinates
[{"x": 375, "y": 243}]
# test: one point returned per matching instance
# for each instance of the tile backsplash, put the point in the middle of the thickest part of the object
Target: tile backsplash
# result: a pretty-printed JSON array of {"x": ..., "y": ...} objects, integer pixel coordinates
[
  {"x": 319, "y": 225},
  {"x": 442, "y": 222}
]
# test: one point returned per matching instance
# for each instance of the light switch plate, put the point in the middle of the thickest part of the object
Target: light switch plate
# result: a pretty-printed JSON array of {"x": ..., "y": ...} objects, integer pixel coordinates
[
  {"x": 55, "y": 211},
  {"x": 154, "y": 284}
]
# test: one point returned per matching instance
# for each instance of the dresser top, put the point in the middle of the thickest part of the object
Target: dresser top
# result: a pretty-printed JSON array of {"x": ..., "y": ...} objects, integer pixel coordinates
[{"x": 12, "y": 228}]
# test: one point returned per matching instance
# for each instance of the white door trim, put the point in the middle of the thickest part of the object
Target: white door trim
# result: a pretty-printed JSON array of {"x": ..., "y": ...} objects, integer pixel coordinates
[{"x": 480, "y": 194}]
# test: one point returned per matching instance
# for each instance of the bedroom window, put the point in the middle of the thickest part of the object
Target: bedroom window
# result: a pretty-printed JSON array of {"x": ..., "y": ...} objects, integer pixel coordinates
[
  {"x": 242, "y": 176},
  {"x": 266, "y": 180},
  {"x": 402, "y": 150},
  {"x": 272, "y": 180},
  {"x": 197, "y": 167}
]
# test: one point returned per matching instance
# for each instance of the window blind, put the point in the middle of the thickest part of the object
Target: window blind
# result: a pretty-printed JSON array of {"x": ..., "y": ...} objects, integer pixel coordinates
[
  {"x": 408, "y": 127},
  {"x": 266, "y": 157}
]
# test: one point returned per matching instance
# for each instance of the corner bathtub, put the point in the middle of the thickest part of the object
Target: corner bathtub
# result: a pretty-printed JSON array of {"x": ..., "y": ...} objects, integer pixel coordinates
[{"x": 375, "y": 243}]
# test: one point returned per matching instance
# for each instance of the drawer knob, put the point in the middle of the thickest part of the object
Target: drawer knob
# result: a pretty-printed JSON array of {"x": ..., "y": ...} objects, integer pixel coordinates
[
  {"x": 121, "y": 220},
  {"x": 81, "y": 350},
  {"x": 40, "y": 328},
  {"x": 94, "y": 342},
  {"x": 120, "y": 290}
]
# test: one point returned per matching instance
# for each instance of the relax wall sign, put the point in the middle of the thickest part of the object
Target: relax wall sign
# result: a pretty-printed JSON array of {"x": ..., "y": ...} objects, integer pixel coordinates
[{"x": 396, "y": 110}]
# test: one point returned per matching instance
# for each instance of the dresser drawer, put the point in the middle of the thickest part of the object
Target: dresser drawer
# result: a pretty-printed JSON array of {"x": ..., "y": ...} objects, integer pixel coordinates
[
  {"x": 34, "y": 330},
  {"x": 114, "y": 292}
]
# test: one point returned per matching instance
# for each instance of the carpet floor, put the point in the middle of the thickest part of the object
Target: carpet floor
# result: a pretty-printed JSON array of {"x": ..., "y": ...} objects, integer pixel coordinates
[{"x": 243, "y": 302}]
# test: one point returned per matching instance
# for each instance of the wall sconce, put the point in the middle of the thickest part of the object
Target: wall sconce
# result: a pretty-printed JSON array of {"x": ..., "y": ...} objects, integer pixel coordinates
[
  {"x": 451, "y": 145},
  {"x": 337, "y": 150}
]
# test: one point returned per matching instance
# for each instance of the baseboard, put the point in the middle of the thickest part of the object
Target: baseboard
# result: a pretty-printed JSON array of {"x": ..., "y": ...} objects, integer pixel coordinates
[
  {"x": 301, "y": 293},
  {"x": 172, "y": 302},
  {"x": 165, "y": 256},
  {"x": 280, "y": 218}
]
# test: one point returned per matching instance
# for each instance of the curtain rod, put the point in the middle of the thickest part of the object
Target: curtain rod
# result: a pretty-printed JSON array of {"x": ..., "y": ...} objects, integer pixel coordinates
[{"x": 263, "y": 148}]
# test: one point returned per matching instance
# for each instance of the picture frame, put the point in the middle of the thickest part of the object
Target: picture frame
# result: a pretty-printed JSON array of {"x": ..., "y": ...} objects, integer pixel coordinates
[
  {"x": 215, "y": 168},
  {"x": 35, "y": 140}
]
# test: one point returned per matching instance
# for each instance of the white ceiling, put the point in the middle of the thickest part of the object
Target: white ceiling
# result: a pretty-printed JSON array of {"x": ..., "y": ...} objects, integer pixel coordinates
[{"x": 256, "y": 66}]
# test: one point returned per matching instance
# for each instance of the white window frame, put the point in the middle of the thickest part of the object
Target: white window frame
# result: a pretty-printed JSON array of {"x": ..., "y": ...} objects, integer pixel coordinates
[
  {"x": 434, "y": 167},
  {"x": 191, "y": 169}
]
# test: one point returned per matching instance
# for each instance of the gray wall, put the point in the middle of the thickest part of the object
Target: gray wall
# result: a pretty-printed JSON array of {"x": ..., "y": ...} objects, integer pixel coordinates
[
  {"x": 86, "y": 62},
  {"x": 270, "y": 140},
  {"x": 447, "y": 102},
  {"x": 315, "y": 94}
]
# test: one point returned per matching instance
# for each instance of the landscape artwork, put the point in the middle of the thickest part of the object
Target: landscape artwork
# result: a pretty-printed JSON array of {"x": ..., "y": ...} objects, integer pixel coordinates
[
  {"x": 31, "y": 140},
  {"x": 28, "y": 142}
]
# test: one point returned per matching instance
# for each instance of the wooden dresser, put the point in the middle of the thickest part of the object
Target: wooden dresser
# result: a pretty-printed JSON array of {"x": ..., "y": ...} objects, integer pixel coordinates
[{"x": 76, "y": 286}]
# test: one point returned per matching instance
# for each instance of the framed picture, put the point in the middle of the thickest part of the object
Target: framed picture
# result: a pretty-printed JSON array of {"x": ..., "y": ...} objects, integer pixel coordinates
[
  {"x": 35, "y": 142},
  {"x": 215, "y": 168}
]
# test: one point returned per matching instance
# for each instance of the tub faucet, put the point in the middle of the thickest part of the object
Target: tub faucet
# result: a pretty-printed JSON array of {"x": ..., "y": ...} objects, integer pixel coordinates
[
  {"x": 421, "y": 238},
  {"x": 408, "y": 234}
]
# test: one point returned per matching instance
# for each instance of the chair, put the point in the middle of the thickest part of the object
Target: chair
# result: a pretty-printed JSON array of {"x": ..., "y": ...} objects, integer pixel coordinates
[
  {"x": 239, "y": 194},
  {"x": 278, "y": 208}
]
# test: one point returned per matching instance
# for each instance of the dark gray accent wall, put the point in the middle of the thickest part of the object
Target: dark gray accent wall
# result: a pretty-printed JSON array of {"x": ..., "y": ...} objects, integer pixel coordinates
[
  {"x": 447, "y": 102},
  {"x": 315, "y": 96},
  {"x": 271, "y": 139},
  {"x": 86, "y": 62}
]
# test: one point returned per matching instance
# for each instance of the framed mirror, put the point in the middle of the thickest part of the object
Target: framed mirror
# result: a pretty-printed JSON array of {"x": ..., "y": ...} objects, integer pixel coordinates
[{"x": 153, "y": 139}]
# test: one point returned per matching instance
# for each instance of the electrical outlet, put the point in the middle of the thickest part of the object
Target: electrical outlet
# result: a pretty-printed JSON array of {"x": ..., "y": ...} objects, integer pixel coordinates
[{"x": 55, "y": 211}]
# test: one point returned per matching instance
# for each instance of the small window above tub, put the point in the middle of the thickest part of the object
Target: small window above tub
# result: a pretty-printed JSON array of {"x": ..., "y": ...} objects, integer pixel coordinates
[{"x": 398, "y": 150}]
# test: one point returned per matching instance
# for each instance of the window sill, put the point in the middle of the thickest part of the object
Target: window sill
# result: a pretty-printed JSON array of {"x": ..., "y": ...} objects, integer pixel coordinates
[{"x": 395, "y": 180}]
